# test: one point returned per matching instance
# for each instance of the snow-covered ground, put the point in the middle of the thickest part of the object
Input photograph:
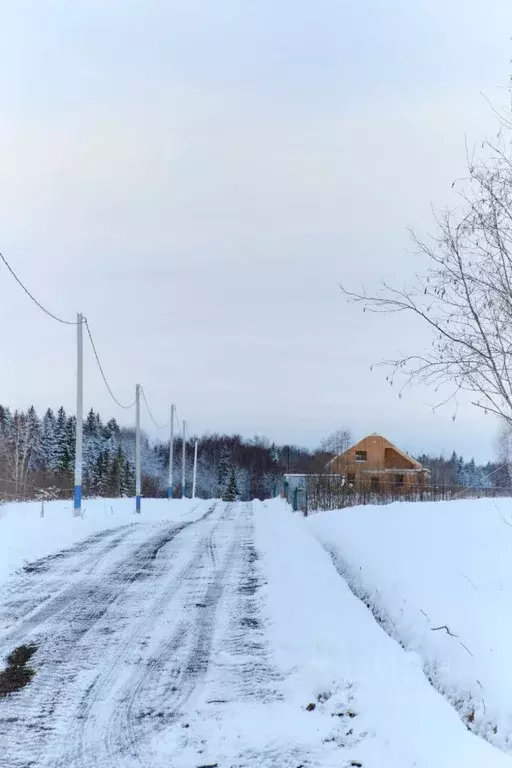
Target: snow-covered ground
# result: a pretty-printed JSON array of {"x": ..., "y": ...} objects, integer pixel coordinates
[
  {"x": 26, "y": 536},
  {"x": 438, "y": 576},
  {"x": 220, "y": 635},
  {"x": 330, "y": 648}
]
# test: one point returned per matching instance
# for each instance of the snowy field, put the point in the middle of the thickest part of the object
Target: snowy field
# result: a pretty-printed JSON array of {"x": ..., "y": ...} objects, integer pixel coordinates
[
  {"x": 206, "y": 634},
  {"x": 438, "y": 576}
]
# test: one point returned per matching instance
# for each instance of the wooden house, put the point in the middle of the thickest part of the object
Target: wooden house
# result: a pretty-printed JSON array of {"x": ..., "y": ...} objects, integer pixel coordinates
[{"x": 375, "y": 465}]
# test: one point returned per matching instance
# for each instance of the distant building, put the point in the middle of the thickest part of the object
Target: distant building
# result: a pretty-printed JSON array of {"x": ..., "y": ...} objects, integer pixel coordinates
[{"x": 375, "y": 465}]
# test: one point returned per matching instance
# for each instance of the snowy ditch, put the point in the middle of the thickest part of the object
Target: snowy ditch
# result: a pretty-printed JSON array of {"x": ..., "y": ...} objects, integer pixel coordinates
[
  {"x": 332, "y": 652},
  {"x": 437, "y": 578}
]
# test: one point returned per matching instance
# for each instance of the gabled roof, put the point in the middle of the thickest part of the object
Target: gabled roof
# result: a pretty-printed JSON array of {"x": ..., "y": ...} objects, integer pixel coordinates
[{"x": 389, "y": 444}]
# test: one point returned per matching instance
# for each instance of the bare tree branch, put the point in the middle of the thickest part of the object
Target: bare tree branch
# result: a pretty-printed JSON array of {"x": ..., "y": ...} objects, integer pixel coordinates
[
  {"x": 465, "y": 294},
  {"x": 436, "y": 629}
]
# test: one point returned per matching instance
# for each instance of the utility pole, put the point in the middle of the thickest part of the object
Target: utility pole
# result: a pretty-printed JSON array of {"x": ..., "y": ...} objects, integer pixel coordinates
[
  {"x": 77, "y": 496},
  {"x": 171, "y": 454},
  {"x": 137, "y": 449},
  {"x": 195, "y": 472},
  {"x": 184, "y": 459}
]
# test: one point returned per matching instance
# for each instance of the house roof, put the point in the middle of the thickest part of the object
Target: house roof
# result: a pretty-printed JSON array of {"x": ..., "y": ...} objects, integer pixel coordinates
[{"x": 389, "y": 444}]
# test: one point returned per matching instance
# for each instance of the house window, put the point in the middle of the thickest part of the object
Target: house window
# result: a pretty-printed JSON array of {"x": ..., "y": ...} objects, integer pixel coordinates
[
  {"x": 361, "y": 455},
  {"x": 374, "y": 484},
  {"x": 351, "y": 478},
  {"x": 399, "y": 481}
]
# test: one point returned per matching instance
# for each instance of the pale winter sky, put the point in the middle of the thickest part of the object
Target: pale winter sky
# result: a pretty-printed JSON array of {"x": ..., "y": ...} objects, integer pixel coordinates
[{"x": 196, "y": 177}]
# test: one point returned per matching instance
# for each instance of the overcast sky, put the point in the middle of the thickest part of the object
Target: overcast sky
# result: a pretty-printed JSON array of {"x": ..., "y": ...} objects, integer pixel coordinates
[{"x": 197, "y": 177}]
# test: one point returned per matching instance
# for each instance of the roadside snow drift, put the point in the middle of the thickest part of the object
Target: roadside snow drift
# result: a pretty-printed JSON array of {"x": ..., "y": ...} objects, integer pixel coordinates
[
  {"x": 371, "y": 696},
  {"x": 438, "y": 576}
]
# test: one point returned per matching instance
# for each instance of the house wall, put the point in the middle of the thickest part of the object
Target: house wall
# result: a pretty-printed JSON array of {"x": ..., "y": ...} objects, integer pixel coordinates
[
  {"x": 393, "y": 460},
  {"x": 378, "y": 469},
  {"x": 374, "y": 446}
]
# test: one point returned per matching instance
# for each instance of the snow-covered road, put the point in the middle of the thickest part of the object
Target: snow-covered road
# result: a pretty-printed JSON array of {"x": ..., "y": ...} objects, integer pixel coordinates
[
  {"x": 226, "y": 638},
  {"x": 124, "y": 624}
]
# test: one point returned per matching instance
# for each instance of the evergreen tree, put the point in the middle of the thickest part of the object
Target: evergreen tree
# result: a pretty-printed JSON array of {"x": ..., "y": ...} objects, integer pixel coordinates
[
  {"x": 460, "y": 472},
  {"x": 36, "y": 460},
  {"x": 245, "y": 479},
  {"x": 231, "y": 493},
  {"x": 500, "y": 477},
  {"x": 63, "y": 457},
  {"x": 273, "y": 455},
  {"x": 109, "y": 485},
  {"x": 5, "y": 420},
  {"x": 102, "y": 467},
  {"x": 223, "y": 472},
  {"x": 90, "y": 425},
  {"x": 472, "y": 474},
  {"x": 128, "y": 479},
  {"x": 48, "y": 441},
  {"x": 71, "y": 439},
  {"x": 5, "y": 430},
  {"x": 115, "y": 482},
  {"x": 91, "y": 448},
  {"x": 111, "y": 430},
  {"x": 98, "y": 425}
]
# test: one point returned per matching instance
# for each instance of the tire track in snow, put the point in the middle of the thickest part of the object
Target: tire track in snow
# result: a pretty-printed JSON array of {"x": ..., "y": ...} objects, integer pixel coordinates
[
  {"x": 60, "y": 629},
  {"x": 27, "y": 581},
  {"x": 232, "y": 669},
  {"x": 152, "y": 642},
  {"x": 154, "y": 699},
  {"x": 95, "y": 597}
]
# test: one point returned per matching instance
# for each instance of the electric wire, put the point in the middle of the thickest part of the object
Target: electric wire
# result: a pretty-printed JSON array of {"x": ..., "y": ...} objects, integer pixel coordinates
[
  {"x": 159, "y": 426},
  {"x": 484, "y": 478},
  {"x": 114, "y": 398},
  {"x": 33, "y": 298}
]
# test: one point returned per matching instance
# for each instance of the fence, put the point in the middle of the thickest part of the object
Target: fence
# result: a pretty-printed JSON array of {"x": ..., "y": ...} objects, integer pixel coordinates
[{"x": 309, "y": 493}]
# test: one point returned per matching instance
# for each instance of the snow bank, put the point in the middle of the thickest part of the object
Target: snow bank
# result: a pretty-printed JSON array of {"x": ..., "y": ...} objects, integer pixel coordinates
[
  {"x": 25, "y": 536},
  {"x": 370, "y": 696},
  {"x": 439, "y": 578}
]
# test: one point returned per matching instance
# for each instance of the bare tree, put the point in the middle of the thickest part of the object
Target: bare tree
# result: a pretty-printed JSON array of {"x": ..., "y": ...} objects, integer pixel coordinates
[
  {"x": 337, "y": 442},
  {"x": 20, "y": 442},
  {"x": 465, "y": 294}
]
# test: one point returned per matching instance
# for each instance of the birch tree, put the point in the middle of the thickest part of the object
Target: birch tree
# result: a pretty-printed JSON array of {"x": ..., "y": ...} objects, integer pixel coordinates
[{"x": 464, "y": 296}]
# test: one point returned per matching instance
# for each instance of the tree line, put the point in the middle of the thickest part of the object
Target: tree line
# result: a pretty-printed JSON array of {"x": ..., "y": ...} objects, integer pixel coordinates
[
  {"x": 37, "y": 456},
  {"x": 457, "y": 472}
]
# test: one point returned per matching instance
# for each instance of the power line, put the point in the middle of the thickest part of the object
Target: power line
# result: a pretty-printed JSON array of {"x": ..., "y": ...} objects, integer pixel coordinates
[
  {"x": 31, "y": 296},
  {"x": 159, "y": 426},
  {"x": 484, "y": 478},
  {"x": 114, "y": 398},
  {"x": 98, "y": 361}
]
